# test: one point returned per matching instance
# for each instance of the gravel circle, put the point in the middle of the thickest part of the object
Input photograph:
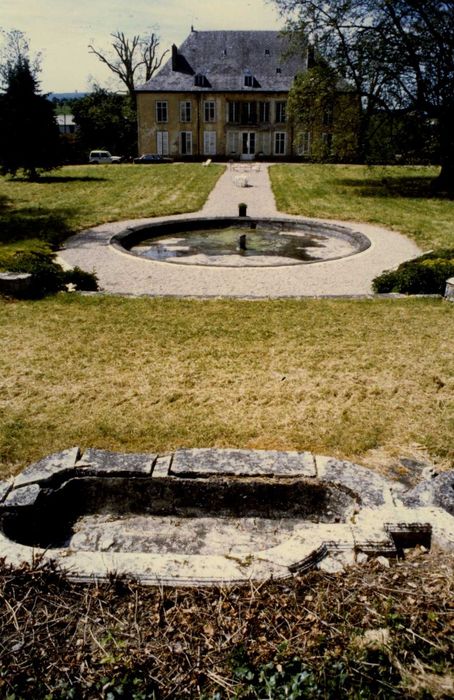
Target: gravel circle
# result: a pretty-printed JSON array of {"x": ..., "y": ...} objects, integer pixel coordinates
[{"x": 122, "y": 273}]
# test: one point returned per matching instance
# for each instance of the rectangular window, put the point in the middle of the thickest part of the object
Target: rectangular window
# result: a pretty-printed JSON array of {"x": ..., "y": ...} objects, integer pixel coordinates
[
  {"x": 233, "y": 114},
  {"x": 186, "y": 143},
  {"x": 209, "y": 111},
  {"x": 209, "y": 143},
  {"x": 280, "y": 138},
  {"x": 304, "y": 143},
  {"x": 328, "y": 116},
  {"x": 185, "y": 111},
  {"x": 280, "y": 112},
  {"x": 162, "y": 111},
  {"x": 249, "y": 112},
  {"x": 264, "y": 111}
]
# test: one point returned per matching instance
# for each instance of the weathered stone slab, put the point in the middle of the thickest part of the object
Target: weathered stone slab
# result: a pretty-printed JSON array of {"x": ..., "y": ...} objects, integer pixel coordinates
[
  {"x": 105, "y": 463},
  {"x": 438, "y": 491},
  {"x": 48, "y": 467},
  {"x": 219, "y": 462},
  {"x": 449, "y": 290},
  {"x": 24, "y": 496},
  {"x": 162, "y": 467},
  {"x": 370, "y": 487},
  {"x": 15, "y": 284},
  {"x": 5, "y": 488}
]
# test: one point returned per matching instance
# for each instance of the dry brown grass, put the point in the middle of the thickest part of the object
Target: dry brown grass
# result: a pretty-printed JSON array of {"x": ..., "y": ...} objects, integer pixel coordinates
[
  {"x": 313, "y": 632},
  {"x": 370, "y": 380}
]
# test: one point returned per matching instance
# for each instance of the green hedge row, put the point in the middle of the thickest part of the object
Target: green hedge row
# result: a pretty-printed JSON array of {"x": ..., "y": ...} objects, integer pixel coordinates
[{"x": 424, "y": 275}]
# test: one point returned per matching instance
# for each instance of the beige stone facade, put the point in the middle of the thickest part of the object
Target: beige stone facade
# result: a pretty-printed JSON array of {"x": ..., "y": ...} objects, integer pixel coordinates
[
  {"x": 221, "y": 94},
  {"x": 234, "y": 125}
]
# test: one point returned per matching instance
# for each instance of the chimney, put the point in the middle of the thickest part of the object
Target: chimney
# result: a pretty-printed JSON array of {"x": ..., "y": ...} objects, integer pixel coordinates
[
  {"x": 174, "y": 57},
  {"x": 311, "y": 56}
]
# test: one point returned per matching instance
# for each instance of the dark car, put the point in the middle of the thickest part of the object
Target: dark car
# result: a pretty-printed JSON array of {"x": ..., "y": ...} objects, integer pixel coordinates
[{"x": 152, "y": 159}]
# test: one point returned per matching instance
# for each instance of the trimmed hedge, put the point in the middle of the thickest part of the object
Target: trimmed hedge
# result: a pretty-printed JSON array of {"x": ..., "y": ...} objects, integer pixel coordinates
[{"x": 424, "y": 275}]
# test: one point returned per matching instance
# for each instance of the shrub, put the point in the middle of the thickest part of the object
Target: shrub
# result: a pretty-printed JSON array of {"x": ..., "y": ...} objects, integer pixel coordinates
[
  {"x": 85, "y": 281},
  {"x": 424, "y": 275},
  {"x": 48, "y": 276}
]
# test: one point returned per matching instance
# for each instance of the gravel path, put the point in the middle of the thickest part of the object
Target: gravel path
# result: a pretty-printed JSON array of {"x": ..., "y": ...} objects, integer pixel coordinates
[{"x": 122, "y": 273}]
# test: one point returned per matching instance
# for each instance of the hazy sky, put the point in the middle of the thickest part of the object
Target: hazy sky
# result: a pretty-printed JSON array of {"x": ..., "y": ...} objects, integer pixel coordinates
[{"x": 62, "y": 29}]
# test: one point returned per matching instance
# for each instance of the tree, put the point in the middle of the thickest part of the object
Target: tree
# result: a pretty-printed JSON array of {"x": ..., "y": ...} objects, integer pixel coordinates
[
  {"x": 16, "y": 47},
  {"x": 399, "y": 55},
  {"x": 29, "y": 137},
  {"x": 133, "y": 60},
  {"x": 106, "y": 120},
  {"x": 323, "y": 107}
]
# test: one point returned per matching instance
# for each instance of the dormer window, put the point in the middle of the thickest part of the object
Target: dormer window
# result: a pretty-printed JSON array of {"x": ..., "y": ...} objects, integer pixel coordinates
[
  {"x": 201, "y": 80},
  {"x": 278, "y": 70},
  {"x": 267, "y": 52},
  {"x": 248, "y": 81}
]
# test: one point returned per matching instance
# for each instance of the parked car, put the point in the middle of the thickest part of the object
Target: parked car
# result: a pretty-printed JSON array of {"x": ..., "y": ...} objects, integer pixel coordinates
[
  {"x": 152, "y": 159},
  {"x": 96, "y": 157}
]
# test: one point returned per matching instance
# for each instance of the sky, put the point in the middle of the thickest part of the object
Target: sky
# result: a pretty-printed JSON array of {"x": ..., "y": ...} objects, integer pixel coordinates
[{"x": 62, "y": 30}]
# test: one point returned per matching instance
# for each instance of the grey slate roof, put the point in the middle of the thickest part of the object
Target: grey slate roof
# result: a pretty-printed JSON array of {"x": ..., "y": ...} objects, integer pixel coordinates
[{"x": 224, "y": 58}]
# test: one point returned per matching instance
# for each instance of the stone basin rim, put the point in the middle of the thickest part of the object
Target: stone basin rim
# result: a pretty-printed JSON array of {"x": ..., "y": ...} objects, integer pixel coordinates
[
  {"x": 131, "y": 235},
  {"x": 387, "y": 519}
]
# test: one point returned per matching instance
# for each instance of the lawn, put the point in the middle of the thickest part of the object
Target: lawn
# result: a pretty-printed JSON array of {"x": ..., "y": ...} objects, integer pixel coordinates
[
  {"x": 396, "y": 197},
  {"x": 369, "y": 380},
  {"x": 77, "y": 197}
]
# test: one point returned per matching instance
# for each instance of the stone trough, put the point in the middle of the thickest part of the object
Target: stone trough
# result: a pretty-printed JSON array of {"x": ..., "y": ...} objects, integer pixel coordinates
[{"x": 206, "y": 516}]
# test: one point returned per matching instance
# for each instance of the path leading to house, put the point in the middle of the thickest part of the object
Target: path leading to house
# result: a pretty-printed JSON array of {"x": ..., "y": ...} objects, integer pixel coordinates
[{"x": 122, "y": 273}]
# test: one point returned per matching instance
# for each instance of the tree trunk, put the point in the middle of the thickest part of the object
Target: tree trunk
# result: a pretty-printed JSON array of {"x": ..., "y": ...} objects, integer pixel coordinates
[{"x": 445, "y": 180}]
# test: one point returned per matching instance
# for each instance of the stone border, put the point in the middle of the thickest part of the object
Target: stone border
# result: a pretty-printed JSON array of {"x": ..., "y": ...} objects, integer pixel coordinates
[
  {"x": 131, "y": 235},
  {"x": 386, "y": 520}
]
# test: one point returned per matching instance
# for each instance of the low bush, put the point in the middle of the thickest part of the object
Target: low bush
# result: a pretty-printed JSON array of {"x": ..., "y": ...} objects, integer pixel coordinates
[
  {"x": 424, "y": 275},
  {"x": 47, "y": 276},
  {"x": 84, "y": 281}
]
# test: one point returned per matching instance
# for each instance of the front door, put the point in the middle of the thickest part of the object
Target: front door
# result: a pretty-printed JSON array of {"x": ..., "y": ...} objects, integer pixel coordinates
[{"x": 248, "y": 148}]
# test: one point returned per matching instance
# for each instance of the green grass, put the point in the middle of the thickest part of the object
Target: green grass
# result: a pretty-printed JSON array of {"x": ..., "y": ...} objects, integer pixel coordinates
[
  {"x": 368, "y": 380},
  {"x": 77, "y": 197},
  {"x": 398, "y": 197}
]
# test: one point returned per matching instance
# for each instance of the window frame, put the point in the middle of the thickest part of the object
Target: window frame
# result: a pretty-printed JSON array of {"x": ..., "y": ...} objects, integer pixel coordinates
[
  {"x": 280, "y": 143},
  {"x": 209, "y": 111},
  {"x": 281, "y": 112},
  {"x": 186, "y": 138},
  {"x": 162, "y": 111},
  {"x": 185, "y": 111}
]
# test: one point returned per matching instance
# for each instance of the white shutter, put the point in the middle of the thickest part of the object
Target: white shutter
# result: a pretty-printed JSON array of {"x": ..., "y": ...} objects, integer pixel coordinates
[
  {"x": 162, "y": 143},
  {"x": 232, "y": 142}
]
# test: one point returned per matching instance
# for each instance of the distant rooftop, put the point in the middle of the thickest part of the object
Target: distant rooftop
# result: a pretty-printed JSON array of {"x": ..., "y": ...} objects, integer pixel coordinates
[{"x": 228, "y": 61}]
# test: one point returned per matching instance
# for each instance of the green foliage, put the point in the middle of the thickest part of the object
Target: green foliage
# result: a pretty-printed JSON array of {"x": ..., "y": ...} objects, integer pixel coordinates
[
  {"x": 293, "y": 679},
  {"x": 424, "y": 275},
  {"x": 48, "y": 276},
  {"x": 82, "y": 280},
  {"x": 317, "y": 106},
  {"x": 29, "y": 137},
  {"x": 106, "y": 120}
]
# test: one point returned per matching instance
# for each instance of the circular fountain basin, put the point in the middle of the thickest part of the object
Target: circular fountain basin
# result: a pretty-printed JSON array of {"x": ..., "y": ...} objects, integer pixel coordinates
[{"x": 220, "y": 242}]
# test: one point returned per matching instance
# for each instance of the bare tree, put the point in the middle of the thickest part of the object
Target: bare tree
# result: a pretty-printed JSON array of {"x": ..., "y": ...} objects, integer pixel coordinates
[
  {"x": 15, "y": 48},
  {"x": 133, "y": 60}
]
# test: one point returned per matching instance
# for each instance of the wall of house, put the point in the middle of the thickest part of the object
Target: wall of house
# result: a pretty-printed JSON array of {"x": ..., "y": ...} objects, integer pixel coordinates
[{"x": 228, "y": 125}]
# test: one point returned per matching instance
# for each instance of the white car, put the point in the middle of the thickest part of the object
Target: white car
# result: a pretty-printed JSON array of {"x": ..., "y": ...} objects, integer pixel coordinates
[{"x": 96, "y": 157}]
